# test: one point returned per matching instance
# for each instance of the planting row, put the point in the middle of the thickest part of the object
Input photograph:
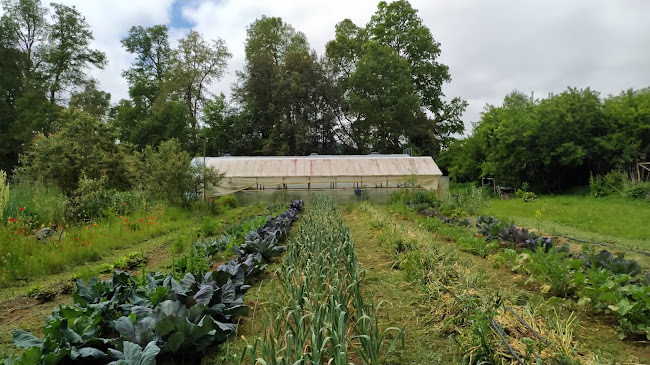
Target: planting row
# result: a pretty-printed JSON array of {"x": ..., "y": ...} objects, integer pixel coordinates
[
  {"x": 462, "y": 308},
  {"x": 127, "y": 320},
  {"x": 319, "y": 315},
  {"x": 610, "y": 284}
]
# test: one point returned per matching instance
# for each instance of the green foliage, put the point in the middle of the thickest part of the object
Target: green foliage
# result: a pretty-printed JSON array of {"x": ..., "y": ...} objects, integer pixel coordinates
[
  {"x": 131, "y": 261},
  {"x": 383, "y": 96},
  {"x": 41, "y": 57},
  {"x": 229, "y": 201},
  {"x": 620, "y": 296},
  {"x": 4, "y": 193},
  {"x": 83, "y": 148},
  {"x": 33, "y": 290},
  {"x": 165, "y": 173},
  {"x": 528, "y": 196},
  {"x": 365, "y": 58},
  {"x": 562, "y": 274},
  {"x": 286, "y": 94},
  {"x": 617, "y": 183},
  {"x": 556, "y": 142},
  {"x": 195, "y": 65},
  {"x": 105, "y": 268},
  {"x": 209, "y": 226},
  {"x": 92, "y": 199},
  {"x": 68, "y": 53},
  {"x": 41, "y": 204},
  {"x": 91, "y": 100},
  {"x": 472, "y": 200}
]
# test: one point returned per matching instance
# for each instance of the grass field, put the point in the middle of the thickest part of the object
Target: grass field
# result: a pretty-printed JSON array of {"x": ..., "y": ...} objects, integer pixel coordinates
[{"x": 624, "y": 222}]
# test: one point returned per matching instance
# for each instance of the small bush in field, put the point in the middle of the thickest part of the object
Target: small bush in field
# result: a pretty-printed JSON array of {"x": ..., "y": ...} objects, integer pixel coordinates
[{"x": 228, "y": 201}]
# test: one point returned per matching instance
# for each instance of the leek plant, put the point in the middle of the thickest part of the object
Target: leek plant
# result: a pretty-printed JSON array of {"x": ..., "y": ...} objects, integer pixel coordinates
[{"x": 324, "y": 318}]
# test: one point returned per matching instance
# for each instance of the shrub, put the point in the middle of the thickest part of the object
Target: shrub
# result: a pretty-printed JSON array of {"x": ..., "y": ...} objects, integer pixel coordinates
[
  {"x": 166, "y": 173},
  {"x": 637, "y": 191},
  {"x": 209, "y": 226},
  {"x": 229, "y": 201},
  {"x": 617, "y": 183},
  {"x": 92, "y": 199},
  {"x": 528, "y": 196},
  {"x": 84, "y": 147}
]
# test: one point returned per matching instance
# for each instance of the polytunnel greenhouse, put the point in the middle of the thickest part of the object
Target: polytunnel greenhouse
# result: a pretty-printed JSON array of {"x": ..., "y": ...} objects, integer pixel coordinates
[{"x": 299, "y": 176}]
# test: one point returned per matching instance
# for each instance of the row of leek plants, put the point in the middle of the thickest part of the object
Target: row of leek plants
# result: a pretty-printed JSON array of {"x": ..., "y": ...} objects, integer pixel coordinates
[
  {"x": 127, "y": 320},
  {"x": 320, "y": 316}
]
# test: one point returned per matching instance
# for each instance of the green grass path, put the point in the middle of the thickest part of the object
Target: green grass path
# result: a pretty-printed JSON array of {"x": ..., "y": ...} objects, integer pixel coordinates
[{"x": 622, "y": 222}]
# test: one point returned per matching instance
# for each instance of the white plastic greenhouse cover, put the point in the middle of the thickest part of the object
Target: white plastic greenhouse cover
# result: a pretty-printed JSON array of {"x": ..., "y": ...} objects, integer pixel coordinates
[{"x": 368, "y": 170}]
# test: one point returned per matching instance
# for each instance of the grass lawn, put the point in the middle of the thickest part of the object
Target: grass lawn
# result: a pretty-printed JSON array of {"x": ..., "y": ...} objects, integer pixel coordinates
[{"x": 623, "y": 222}]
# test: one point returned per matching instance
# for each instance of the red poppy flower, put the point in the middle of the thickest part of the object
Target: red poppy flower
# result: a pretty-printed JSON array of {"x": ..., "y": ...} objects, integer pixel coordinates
[
  {"x": 22, "y": 208},
  {"x": 13, "y": 220},
  {"x": 124, "y": 203}
]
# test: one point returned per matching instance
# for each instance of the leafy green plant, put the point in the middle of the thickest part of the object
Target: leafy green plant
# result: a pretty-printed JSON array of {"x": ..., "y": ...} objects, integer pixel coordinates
[
  {"x": 209, "y": 227},
  {"x": 129, "y": 262},
  {"x": 617, "y": 265},
  {"x": 105, "y": 268},
  {"x": 620, "y": 296},
  {"x": 529, "y": 196},
  {"x": 33, "y": 290},
  {"x": 133, "y": 354},
  {"x": 558, "y": 273}
]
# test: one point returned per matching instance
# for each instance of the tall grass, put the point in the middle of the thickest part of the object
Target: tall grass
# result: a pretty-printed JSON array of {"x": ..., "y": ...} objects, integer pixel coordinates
[
  {"x": 23, "y": 257},
  {"x": 36, "y": 202}
]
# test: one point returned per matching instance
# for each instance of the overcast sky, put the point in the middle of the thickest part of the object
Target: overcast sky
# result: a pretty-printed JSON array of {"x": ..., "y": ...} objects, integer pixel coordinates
[{"x": 491, "y": 47}]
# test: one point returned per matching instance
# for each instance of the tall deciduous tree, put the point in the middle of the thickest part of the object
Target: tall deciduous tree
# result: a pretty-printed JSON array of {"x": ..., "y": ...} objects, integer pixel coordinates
[
  {"x": 25, "y": 24},
  {"x": 69, "y": 54},
  {"x": 196, "y": 64},
  {"x": 39, "y": 59},
  {"x": 397, "y": 25},
  {"x": 382, "y": 95},
  {"x": 153, "y": 60},
  {"x": 285, "y": 90}
]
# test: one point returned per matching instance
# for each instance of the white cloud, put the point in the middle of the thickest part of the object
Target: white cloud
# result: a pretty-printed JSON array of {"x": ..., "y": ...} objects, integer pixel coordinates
[{"x": 491, "y": 47}]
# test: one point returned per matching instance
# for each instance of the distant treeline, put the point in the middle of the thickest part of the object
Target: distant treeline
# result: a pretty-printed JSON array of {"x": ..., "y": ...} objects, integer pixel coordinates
[
  {"x": 554, "y": 143},
  {"x": 378, "y": 87}
]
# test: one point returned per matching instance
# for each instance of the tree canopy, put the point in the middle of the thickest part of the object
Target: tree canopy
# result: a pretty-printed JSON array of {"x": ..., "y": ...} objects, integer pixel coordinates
[{"x": 557, "y": 142}]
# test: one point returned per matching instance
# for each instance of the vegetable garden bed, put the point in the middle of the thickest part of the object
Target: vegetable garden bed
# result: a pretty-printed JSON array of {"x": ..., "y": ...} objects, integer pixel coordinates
[{"x": 138, "y": 320}]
